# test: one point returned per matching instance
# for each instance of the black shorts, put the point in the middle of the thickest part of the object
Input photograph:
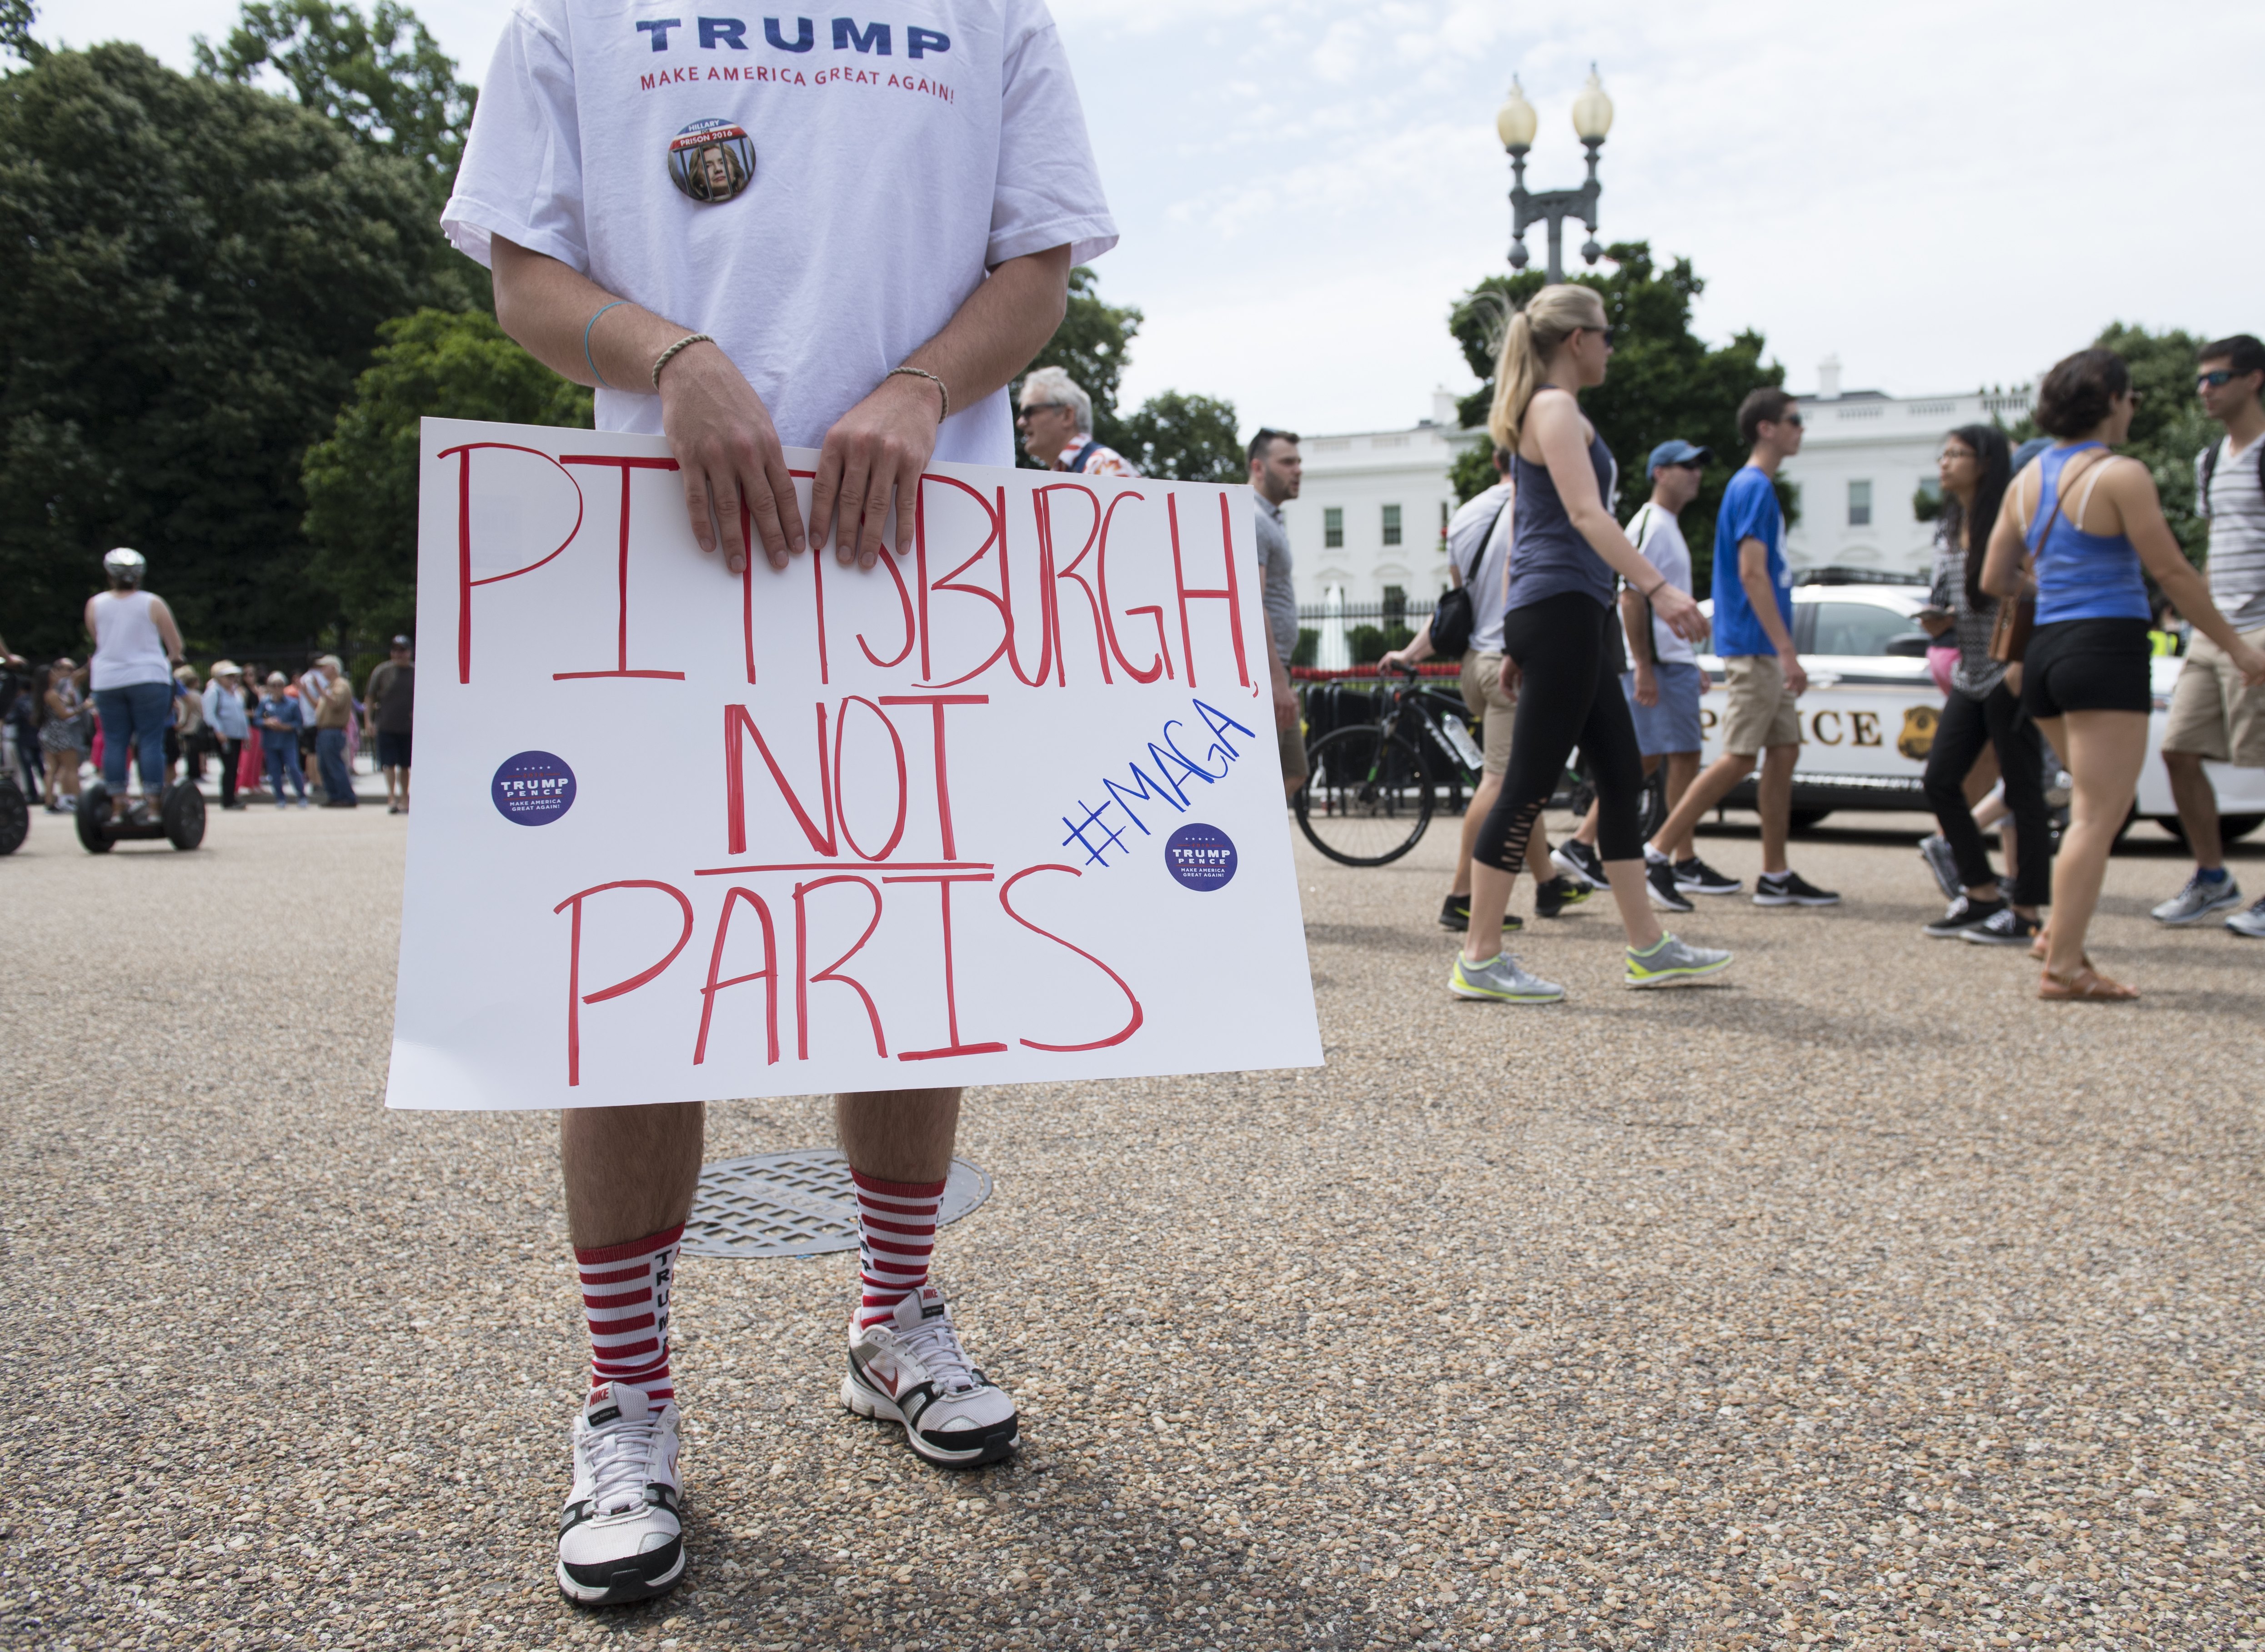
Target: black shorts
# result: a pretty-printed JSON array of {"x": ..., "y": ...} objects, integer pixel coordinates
[
  {"x": 2088, "y": 665},
  {"x": 393, "y": 749}
]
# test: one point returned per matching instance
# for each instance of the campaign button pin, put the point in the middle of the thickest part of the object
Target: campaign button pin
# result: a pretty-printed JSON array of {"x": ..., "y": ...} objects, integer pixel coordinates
[
  {"x": 1200, "y": 856},
  {"x": 533, "y": 789}
]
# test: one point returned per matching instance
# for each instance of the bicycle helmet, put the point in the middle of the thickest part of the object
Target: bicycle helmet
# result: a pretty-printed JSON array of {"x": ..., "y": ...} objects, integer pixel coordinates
[{"x": 126, "y": 566}]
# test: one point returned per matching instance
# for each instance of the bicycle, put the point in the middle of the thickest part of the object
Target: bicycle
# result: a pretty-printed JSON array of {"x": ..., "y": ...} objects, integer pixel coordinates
[{"x": 1373, "y": 788}]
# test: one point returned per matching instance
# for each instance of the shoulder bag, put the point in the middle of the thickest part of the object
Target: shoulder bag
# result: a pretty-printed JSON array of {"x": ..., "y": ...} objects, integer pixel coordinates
[{"x": 2017, "y": 616}]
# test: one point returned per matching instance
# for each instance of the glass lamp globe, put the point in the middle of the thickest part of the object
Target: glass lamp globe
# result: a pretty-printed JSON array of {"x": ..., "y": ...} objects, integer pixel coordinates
[
  {"x": 1592, "y": 111},
  {"x": 1517, "y": 121}
]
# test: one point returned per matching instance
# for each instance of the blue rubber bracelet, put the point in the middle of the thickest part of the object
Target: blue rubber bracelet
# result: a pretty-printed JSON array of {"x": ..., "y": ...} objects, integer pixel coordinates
[{"x": 586, "y": 356}]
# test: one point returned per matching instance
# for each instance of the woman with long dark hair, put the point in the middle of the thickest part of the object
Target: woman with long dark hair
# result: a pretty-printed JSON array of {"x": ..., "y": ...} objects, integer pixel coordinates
[
  {"x": 1567, "y": 556},
  {"x": 2090, "y": 525},
  {"x": 1982, "y": 709}
]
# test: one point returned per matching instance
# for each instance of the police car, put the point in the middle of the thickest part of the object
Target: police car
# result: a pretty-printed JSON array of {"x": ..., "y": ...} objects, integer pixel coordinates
[{"x": 1868, "y": 718}]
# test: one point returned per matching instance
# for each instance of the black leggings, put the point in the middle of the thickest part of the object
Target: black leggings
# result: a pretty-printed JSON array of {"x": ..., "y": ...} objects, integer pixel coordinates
[
  {"x": 1967, "y": 726},
  {"x": 1570, "y": 695}
]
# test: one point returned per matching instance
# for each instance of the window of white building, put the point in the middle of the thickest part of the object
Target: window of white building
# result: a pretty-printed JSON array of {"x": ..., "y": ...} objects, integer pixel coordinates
[
  {"x": 1392, "y": 524},
  {"x": 1860, "y": 504},
  {"x": 1333, "y": 526}
]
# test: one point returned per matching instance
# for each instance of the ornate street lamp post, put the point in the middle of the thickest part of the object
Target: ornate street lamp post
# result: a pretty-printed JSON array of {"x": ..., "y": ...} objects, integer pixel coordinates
[{"x": 1515, "y": 125}]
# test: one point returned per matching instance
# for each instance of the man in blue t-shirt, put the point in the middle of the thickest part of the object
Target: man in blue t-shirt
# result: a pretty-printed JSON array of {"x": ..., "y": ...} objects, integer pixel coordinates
[{"x": 1762, "y": 673}]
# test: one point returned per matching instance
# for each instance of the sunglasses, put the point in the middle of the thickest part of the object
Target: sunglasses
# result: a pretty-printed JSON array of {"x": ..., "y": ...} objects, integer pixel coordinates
[
  {"x": 1606, "y": 333},
  {"x": 1793, "y": 419},
  {"x": 1029, "y": 408},
  {"x": 2216, "y": 379}
]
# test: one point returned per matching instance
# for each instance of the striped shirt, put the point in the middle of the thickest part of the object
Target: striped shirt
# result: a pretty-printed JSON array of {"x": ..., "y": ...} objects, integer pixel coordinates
[
  {"x": 2235, "y": 510},
  {"x": 1976, "y": 674}
]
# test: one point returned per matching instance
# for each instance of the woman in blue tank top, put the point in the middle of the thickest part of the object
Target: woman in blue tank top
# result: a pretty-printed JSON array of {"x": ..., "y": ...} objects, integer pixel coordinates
[
  {"x": 1567, "y": 556},
  {"x": 2081, "y": 529}
]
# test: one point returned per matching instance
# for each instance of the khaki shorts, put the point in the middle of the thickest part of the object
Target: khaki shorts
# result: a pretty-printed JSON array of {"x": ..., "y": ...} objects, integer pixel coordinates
[
  {"x": 2213, "y": 713},
  {"x": 1292, "y": 742},
  {"x": 1496, "y": 711},
  {"x": 1761, "y": 713}
]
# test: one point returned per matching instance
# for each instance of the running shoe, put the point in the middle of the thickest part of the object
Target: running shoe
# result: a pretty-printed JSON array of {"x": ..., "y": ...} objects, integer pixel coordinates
[
  {"x": 1790, "y": 889},
  {"x": 1659, "y": 879},
  {"x": 1502, "y": 978},
  {"x": 1935, "y": 850},
  {"x": 910, "y": 1369},
  {"x": 1694, "y": 877},
  {"x": 1673, "y": 963},
  {"x": 1579, "y": 862},
  {"x": 1456, "y": 915},
  {"x": 2198, "y": 899},
  {"x": 1552, "y": 896},
  {"x": 622, "y": 1535},
  {"x": 1965, "y": 913},
  {"x": 2004, "y": 929},
  {"x": 2251, "y": 922}
]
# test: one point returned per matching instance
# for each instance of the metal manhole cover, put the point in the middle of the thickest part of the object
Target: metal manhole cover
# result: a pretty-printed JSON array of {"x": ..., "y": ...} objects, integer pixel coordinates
[{"x": 796, "y": 1204}]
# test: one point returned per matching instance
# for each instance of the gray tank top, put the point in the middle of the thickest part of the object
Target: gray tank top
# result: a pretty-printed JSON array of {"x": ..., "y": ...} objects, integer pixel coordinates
[{"x": 1548, "y": 555}]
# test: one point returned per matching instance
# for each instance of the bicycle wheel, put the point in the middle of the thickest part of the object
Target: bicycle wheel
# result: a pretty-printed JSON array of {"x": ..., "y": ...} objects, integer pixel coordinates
[{"x": 1368, "y": 797}]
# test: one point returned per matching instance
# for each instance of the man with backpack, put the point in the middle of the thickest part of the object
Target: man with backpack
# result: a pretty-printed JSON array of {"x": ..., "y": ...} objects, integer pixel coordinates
[{"x": 2215, "y": 716}]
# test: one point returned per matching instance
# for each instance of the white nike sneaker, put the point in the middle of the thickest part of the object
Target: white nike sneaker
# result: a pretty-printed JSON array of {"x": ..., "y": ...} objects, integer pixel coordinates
[
  {"x": 911, "y": 1369},
  {"x": 620, "y": 1537}
]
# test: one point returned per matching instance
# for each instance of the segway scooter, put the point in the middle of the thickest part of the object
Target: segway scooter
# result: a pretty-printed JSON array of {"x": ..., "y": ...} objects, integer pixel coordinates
[
  {"x": 179, "y": 818},
  {"x": 15, "y": 816}
]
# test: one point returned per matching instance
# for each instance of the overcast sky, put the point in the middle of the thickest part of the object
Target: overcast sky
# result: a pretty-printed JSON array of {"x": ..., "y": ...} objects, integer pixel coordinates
[{"x": 1943, "y": 194}]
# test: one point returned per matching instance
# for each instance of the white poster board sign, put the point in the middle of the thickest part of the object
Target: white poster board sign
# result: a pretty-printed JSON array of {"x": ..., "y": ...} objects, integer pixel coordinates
[{"x": 1006, "y": 809}]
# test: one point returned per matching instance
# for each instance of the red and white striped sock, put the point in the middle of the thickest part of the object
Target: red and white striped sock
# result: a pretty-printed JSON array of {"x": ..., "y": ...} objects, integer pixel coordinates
[
  {"x": 625, "y": 1289},
  {"x": 896, "y": 1235}
]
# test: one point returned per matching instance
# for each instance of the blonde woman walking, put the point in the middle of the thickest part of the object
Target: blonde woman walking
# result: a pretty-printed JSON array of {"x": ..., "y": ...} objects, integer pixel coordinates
[{"x": 1565, "y": 551}]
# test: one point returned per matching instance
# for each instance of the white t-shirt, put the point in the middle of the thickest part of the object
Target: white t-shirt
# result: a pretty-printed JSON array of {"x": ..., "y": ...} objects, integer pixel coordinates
[
  {"x": 1656, "y": 535},
  {"x": 1483, "y": 513},
  {"x": 820, "y": 194}
]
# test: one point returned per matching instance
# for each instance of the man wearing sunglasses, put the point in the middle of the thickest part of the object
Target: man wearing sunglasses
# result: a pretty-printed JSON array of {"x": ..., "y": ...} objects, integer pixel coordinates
[
  {"x": 2215, "y": 716},
  {"x": 1753, "y": 634}
]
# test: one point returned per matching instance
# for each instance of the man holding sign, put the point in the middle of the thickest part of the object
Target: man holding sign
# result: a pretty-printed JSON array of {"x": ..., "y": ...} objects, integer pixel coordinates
[{"x": 747, "y": 245}]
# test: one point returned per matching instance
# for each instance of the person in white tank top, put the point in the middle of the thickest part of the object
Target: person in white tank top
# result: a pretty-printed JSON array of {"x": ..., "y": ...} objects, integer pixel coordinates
[{"x": 136, "y": 645}]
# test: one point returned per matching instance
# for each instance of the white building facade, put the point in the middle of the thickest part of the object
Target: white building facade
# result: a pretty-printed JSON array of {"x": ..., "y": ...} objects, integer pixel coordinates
[
  {"x": 1864, "y": 457},
  {"x": 1371, "y": 518}
]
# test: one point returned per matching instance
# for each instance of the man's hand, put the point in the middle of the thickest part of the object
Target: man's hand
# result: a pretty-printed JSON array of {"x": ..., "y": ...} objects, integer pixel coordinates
[
  {"x": 1510, "y": 675},
  {"x": 878, "y": 449},
  {"x": 728, "y": 451},
  {"x": 1797, "y": 679},
  {"x": 1285, "y": 706},
  {"x": 2250, "y": 662},
  {"x": 1647, "y": 685}
]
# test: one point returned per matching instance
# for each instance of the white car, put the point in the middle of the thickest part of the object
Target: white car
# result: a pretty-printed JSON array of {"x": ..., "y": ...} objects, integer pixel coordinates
[{"x": 1868, "y": 721}]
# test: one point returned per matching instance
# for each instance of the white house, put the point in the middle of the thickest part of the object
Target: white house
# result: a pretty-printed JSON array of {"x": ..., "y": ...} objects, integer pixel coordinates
[
  {"x": 1864, "y": 455},
  {"x": 1371, "y": 518}
]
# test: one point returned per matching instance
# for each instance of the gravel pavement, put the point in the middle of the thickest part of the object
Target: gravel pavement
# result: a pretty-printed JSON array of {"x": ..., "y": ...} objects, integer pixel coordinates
[{"x": 1864, "y": 1301}]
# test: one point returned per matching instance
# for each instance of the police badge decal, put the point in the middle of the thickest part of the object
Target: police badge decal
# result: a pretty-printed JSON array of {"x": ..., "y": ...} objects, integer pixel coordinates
[{"x": 711, "y": 161}]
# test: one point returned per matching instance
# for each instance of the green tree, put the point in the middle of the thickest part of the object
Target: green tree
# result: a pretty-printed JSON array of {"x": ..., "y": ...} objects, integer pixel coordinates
[
  {"x": 361, "y": 482},
  {"x": 383, "y": 77},
  {"x": 1091, "y": 346},
  {"x": 1665, "y": 381},
  {"x": 16, "y": 20},
  {"x": 1185, "y": 439},
  {"x": 196, "y": 271}
]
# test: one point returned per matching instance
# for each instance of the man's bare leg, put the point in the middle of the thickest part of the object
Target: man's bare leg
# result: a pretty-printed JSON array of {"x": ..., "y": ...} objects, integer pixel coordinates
[
  {"x": 1711, "y": 787},
  {"x": 1682, "y": 770},
  {"x": 2197, "y": 805},
  {"x": 1774, "y": 798},
  {"x": 631, "y": 1171},
  {"x": 899, "y": 1135}
]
